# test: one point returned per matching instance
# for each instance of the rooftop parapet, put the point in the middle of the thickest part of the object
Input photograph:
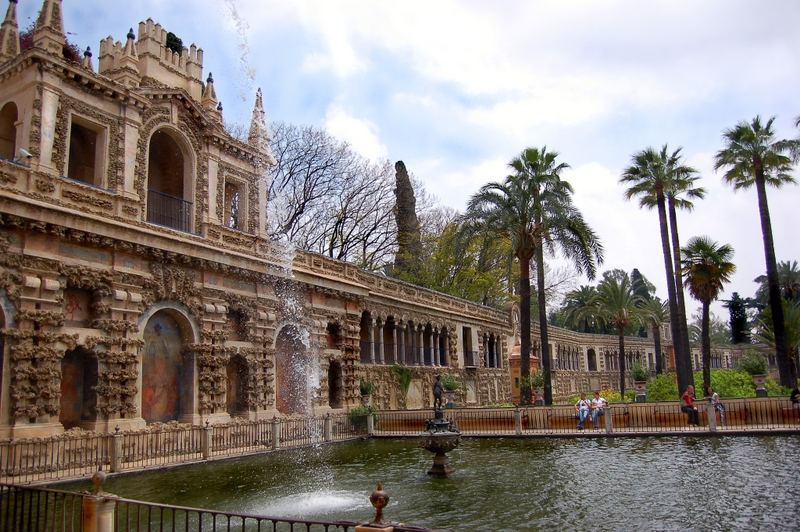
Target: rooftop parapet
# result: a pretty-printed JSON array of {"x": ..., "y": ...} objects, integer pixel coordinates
[{"x": 154, "y": 59}]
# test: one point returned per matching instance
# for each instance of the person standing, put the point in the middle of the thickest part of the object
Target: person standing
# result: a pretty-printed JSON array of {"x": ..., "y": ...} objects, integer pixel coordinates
[
  {"x": 716, "y": 404},
  {"x": 599, "y": 405},
  {"x": 689, "y": 407},
  {"x": 582, "y": 407}
]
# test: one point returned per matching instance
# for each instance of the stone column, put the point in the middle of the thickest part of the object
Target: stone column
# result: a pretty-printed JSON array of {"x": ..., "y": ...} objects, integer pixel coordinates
[
  {"x": 371, "y": 341},
  {"x": 402, "y": 350},
  {"x": 435, "y": 348},
  {"x": 380, "y": 339},
  {"x": 394, "y": 342},
  {"x": 421, "y": 350}
]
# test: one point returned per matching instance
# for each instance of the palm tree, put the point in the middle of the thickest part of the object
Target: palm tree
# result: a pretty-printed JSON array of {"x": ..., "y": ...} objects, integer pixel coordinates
[
  {"x": 791, "y": 312},
  {"x": 649, "y": 177},
  {"x": 680, "y": 192},
  {"x": 560, "y": 225},
  {"x": 616, "y": 305},
  {"x": 788, "y": 281},
  {"x": 752, "y": 156},
  {"x": 655, "y": 313},
  {"x": 707, "y": 266},
  {"x": 574, "y": 304}
]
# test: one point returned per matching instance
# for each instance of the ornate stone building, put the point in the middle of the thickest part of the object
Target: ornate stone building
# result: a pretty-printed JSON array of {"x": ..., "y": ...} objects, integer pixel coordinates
[{"x": 137, "y": 282}]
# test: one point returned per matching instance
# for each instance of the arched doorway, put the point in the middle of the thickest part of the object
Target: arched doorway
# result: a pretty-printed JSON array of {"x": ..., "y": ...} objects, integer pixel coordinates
[
  {"x": 291, "y": 368},
  {"x": 335, "y": 384},
  {"x": 169, "y": 182},
  {"x": 78, "y": 382},
  {"x": 8, "y": 131},
  {"x": 167, "y": 373},
  {"x": 236, "y": 396}
]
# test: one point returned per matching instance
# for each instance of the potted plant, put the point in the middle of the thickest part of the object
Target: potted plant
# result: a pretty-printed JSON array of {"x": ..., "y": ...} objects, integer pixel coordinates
[
  {"x": 358, "y": 415},
  {"x": 640, "y": 376},
  {"x": 755, "y": 364},
  {"x": 451, "y": 385},
  {"x": 537, "y": 385},
  {"x": 366, "y": 388}
]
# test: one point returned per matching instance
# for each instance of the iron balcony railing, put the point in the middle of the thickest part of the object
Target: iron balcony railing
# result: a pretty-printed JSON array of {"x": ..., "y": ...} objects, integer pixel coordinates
[{"x": 169, "y": 211}]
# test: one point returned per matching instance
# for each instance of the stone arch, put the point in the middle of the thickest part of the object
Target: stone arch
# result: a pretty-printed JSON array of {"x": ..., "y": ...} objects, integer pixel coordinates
[
  {"x": 78, "y": 402},
  {"x": 333, "y": 335},
  {"x": 168, "y": 375},
  {"x": 389, "y": 332},
  {"x": 8, "y": 131},
  {"x": 238, "y": 376},
  {"x": 335, "y": 384},
  {"x": 170, "y": 179},
  {"x": 366, "y": 342},
  {"x": 291, "y": 370}
]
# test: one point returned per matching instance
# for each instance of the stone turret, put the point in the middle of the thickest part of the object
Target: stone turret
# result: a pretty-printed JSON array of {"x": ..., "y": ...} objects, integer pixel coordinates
[
  {"x": 153, "y": 59},
  {"x": 49, "y": 32},
  {"x": 9, "y": 34},
  {"x": 258, "y": 124}
]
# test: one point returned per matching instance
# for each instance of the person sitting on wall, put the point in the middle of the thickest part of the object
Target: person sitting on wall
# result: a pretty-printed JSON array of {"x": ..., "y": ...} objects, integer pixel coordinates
[
  {"x": 688, "y": 406},
  {"x": 599, "y": 404},
  {"x": 582, "y": 407}
]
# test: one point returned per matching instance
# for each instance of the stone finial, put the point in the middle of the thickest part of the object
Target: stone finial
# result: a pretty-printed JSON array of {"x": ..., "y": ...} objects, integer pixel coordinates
[
  {"x": 87, "y": 59},
  {"x": 209, "y": 98},
  {"x": 130, "y": 46},
  {"x": 9, "y": 34},
  {"x": 219, "y": 107},
  {"x": 49, "y": 31},
  {"x": 379, "y": 500},
  {"x": 258, "y": 124}
]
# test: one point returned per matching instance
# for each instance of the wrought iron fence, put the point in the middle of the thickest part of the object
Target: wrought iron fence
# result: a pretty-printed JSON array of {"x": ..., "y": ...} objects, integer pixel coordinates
[
  {"x": 34, "y": 509},
  {"x": 241, "y": 438},
  {"x": 55, "y": 457},
  {"x": 168, "y": 445}
]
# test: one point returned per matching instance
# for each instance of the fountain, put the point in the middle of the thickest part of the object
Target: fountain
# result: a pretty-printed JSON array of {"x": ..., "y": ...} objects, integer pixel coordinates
[{"x": 440, "y": 436}]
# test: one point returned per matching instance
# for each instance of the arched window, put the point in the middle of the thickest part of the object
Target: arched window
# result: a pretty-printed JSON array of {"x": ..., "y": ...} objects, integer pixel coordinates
[
  {"x": 389, "y": 347},
  {"x": 8, "y": 131},
  {"x": 78, "y": 381},
  {"x": 169, "y": 179},
  {"x": 591, "y": 357},
  {"x": 291, "y": 368}
]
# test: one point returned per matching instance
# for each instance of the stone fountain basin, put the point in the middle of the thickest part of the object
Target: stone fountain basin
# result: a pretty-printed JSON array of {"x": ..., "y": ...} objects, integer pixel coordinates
[{"x": 439, "y": 442}]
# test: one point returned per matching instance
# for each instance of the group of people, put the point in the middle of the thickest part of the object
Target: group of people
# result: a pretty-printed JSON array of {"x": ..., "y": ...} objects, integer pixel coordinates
[
  {"x": 594, "y": 408},
  {"x": 690, "y": 409}
]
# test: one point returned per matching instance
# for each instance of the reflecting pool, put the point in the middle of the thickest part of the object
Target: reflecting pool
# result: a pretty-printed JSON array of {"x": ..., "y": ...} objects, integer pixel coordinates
[{"x": 676, "y": 483}]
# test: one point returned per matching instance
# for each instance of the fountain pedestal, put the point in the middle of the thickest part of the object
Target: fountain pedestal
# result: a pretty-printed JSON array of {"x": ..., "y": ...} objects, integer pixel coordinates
[{"x": 440, "y": 437}]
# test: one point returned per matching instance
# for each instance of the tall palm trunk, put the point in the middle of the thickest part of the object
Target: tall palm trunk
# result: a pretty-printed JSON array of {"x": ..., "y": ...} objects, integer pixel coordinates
[
  {"x": 673, "y": 304},
  {"x": 525, "y": 329},
  {"x": 621, "y": 333},
  {"x": 683, "y": 329},
  {"x": 545, "y": 344},
  {"x": 705, "y": 336},
  {"x": 657, "y": 344},
  {"x": 786, "y": 369}
]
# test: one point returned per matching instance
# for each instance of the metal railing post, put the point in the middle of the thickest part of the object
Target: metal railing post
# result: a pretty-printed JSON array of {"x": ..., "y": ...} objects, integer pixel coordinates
[
  {"x": 327, "y": 428},
  {"x": 207, "y": 444},
  {"x": 518, "y": 421},
  {"x": 370, "y": 424},
  {"x": 276, "y": 433},
  {"x": 711, "y": 414},
  {"x": 116, "y": 451}
]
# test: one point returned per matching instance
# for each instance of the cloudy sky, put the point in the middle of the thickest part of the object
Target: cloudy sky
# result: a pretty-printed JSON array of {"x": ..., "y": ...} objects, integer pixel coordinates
[{"x": 458, "y": 88}]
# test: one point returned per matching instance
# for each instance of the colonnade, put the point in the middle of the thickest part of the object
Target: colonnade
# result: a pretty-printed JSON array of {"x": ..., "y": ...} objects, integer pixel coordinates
[{"x": 385, "y": 340}]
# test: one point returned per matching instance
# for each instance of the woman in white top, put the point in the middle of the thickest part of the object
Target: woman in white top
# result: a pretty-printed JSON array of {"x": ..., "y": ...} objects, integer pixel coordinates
[{"x": 599, "y": 405}]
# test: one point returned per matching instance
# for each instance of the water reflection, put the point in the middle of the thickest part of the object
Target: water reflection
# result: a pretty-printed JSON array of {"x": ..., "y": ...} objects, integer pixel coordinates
[{"x": 507, "y": 484}]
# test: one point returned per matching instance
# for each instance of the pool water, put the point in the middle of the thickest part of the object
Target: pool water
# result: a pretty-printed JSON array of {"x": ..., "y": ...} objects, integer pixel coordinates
[{"x": 675, "y": 483}]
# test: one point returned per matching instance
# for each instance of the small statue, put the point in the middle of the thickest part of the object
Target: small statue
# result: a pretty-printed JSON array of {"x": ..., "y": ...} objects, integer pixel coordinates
[{"x": 438, "y": 390}]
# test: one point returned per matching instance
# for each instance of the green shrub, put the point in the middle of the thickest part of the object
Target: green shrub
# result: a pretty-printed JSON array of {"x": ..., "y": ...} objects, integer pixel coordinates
[
  {"x": 366, "y": 387},
  {"x": 663, "y": 387},
  {"x": 358, "y": 415},
  {"x": 753, "y": 363},
  {"x": 450, "y": 382},
  {"x": 537, "y": 379},
  {"x": 639, "y": 372},
  {"x": 403, "y": 375}
]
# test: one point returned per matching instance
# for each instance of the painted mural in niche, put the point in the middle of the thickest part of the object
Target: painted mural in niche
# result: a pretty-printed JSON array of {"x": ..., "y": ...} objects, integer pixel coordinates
[
  {"x": 291, "y": 368},
  {"x": 78, "y": 381},
  {"x": 77, "y": 307},
  {"x": 166, "y": 377}
]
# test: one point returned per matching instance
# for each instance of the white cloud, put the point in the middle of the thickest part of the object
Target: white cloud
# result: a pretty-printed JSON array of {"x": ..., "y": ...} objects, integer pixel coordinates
[{"x": 361, "y": 134}]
